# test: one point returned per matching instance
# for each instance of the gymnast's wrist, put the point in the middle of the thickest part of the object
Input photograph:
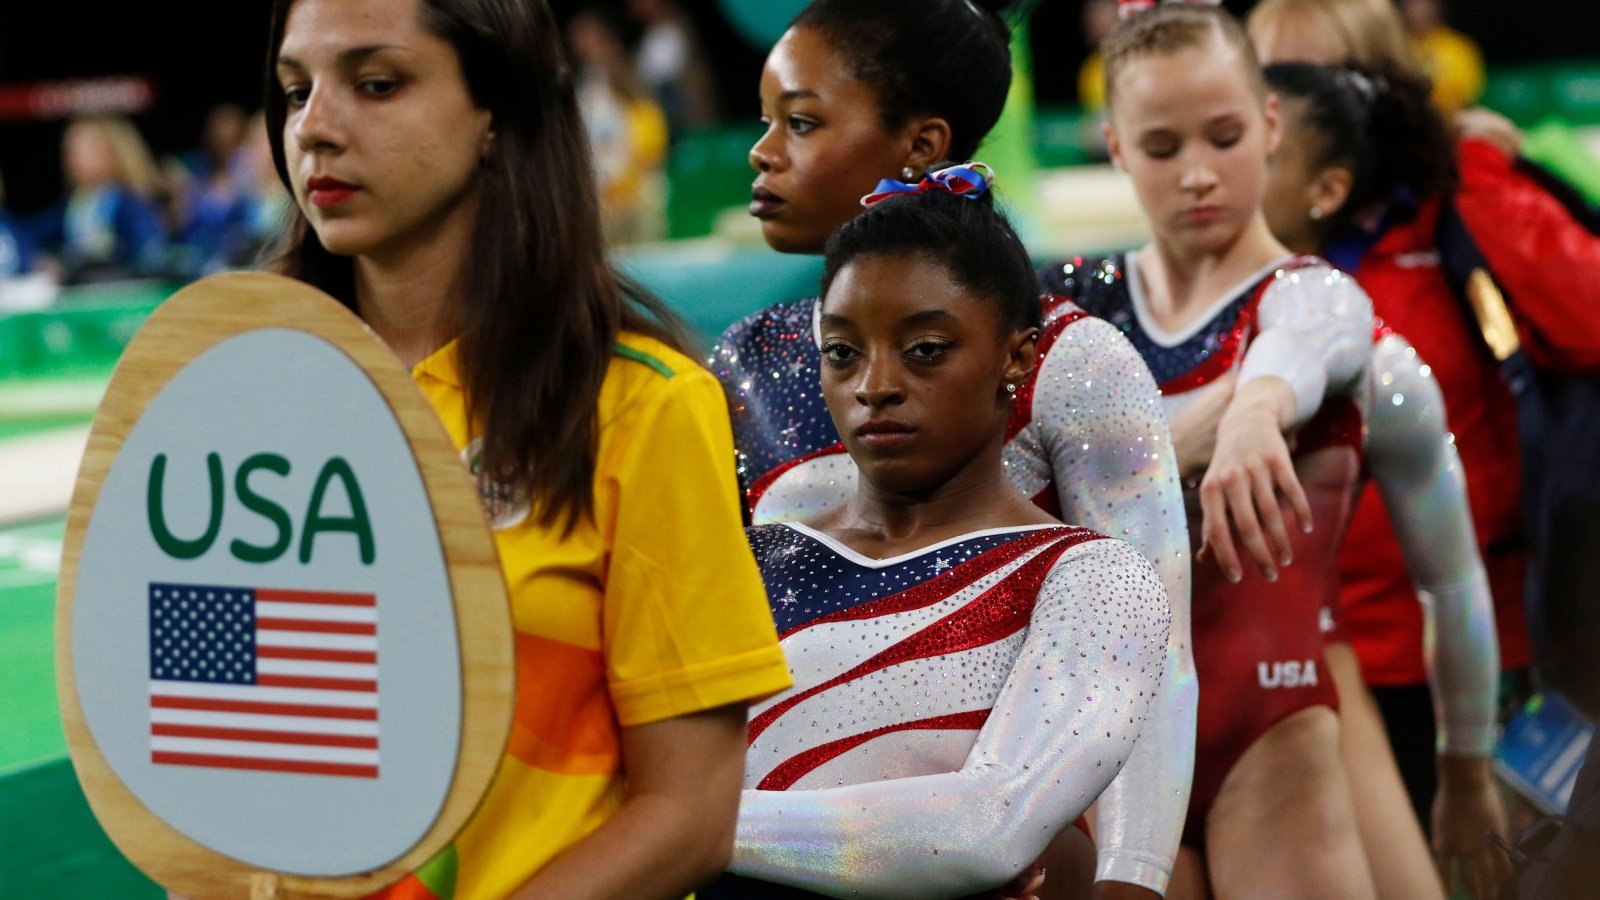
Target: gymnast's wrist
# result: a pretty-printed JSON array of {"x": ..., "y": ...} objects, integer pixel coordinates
[
  {"x": 1266, "y": 398},
  {"x": 1457, "y": 771}
]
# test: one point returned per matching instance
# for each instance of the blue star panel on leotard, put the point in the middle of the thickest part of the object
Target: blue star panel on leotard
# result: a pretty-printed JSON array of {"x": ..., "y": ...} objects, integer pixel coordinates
[{"x": 1100, "y": 286}]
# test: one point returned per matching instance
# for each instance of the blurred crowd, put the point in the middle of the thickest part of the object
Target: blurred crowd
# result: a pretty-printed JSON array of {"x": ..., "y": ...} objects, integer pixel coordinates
[
  {"x": 124, "y": 215},
  {"x": 1450, "y": 59},
  {"x": 642, "y": 81}
]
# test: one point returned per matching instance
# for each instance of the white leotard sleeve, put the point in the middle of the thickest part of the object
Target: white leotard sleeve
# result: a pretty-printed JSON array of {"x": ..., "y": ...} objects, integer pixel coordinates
[
  {"x": 1415, "y": 466},
  {"x": 1315, "y": 332},
  {"x": 1061, "y": 728},
  {"x": 1097, "y": 419}
]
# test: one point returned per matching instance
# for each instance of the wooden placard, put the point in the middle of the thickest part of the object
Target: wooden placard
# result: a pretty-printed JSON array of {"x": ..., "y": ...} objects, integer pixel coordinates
[{"x": 260, "y": 453}]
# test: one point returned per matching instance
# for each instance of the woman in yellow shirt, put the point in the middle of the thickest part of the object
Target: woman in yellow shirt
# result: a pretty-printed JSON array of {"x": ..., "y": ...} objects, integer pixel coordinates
[{"x": 444, "y": 193}]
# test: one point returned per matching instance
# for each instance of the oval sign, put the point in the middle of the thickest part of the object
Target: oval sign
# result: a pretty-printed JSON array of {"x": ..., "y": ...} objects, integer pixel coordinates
[{"x": 274, "y": 561}]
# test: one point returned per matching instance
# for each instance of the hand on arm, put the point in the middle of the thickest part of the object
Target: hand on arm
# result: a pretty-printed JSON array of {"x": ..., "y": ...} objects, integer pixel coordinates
[
  {"x": 675, "y": 830},
  {"x": 1251, "y": 465},
  {"x": 1315, "y": 337},
  {"x": 1481, "y": 123}
]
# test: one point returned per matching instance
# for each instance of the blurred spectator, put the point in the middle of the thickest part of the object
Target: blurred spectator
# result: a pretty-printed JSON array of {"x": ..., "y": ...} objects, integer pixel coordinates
[
  {"x": 108, "y": 226},
  {"x": 224, "y": 134},
  {"x": 16, "y": 250},
  {"x": 236, "y": 212},
  {"x": 627, "y": 131},
  {"x": 233, "y": 214},
  {"x": 673, "y": 66},
  {"x": 1099, "y": 17},
  {"x": 269, "y": 199},
  {"x": 1330, "y": 32},
  {"x": 23, "y": 283},
  {"x": 1449, "y": 57}
]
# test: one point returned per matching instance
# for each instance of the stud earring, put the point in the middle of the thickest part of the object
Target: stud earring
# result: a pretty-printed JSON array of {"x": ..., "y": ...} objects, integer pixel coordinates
[
  {"x": 1011, "y": 388},
  {"x": 908, "y": 173},
  {"x": 1317, "y": 214}
]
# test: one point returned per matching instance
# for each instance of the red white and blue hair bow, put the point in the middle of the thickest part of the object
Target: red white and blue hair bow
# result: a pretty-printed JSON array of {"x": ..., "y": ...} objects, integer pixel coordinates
[
  {"x": 1126, "y": 8},
  {"x": 970, "y": 180}
]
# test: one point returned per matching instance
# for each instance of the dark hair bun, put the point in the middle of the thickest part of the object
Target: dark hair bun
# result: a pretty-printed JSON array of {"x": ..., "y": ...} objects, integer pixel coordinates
[
  {"x": 969, "y": 236},
  {"x": 944, "y": 58}
]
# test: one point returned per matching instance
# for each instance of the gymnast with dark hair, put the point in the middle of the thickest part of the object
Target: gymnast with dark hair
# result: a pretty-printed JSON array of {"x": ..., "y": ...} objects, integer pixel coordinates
[
  {"x": 970, "y": 674},
  {"x": 1365, "y": 168}
]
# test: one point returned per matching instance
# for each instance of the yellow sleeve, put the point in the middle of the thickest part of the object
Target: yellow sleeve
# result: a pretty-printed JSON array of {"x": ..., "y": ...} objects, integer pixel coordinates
[{"x": 686, "y": 622}]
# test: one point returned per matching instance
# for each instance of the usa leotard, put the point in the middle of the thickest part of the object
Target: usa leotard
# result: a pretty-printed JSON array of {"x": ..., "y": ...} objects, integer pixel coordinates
[
  {"x": 953, "y": 709},
  {"x": 1257, "y": 645},
  {"x": 1088, "y": 441}
]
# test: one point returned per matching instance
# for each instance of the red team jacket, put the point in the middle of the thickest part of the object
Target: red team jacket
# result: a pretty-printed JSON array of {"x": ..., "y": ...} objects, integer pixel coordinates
[{"x": 1549, "y": 265}]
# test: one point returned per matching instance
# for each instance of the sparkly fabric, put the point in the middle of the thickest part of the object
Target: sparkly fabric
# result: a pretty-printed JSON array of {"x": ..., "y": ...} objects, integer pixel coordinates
[
  {"x": 1088, "y": 442},
  {"x": 1101, "y": 288},
  {"x": 771, "y": 369},
  {"x": 954, "y": 708},
  {"x": 1413, "y": 461}
]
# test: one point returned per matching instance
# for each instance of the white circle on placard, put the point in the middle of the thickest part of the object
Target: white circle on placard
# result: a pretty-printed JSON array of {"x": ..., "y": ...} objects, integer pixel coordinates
[{"x": 274, "y": 775}]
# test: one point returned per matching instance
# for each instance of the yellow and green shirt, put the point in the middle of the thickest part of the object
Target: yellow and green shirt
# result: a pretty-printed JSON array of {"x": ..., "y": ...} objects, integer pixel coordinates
[{"x": 651, "y": 609}]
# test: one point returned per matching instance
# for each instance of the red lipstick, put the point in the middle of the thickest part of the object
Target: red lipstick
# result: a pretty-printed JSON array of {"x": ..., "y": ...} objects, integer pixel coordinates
[{"x": 327, "y": 193}]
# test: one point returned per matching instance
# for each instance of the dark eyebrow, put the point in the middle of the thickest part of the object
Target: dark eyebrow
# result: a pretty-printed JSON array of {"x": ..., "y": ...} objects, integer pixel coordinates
[
  {"x": 834, "y": 319},
  {"x": 787, "y": 96},
  {"x": 346, "y": 59},
  {"x": 928, "y": 316}
]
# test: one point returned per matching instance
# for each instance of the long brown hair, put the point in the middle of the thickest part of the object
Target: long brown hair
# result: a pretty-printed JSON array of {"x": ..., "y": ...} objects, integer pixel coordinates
[{"x": 543, "y": 304}]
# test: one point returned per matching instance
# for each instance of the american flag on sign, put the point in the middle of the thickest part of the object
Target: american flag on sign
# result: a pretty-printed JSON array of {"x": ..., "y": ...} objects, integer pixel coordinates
[{"x": 265, "y": 680}]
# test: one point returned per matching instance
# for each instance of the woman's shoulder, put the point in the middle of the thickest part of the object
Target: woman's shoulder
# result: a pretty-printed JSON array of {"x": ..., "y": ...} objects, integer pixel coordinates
[
  {"x": 646, "y": 373},
  {"x": 755, "y": 330},
  {"x": 771, "y": 539},
  {"x": 1313, "y": 282},
  {"x": 1087, "y": 547},
  {"x": 637, "y": 354}
]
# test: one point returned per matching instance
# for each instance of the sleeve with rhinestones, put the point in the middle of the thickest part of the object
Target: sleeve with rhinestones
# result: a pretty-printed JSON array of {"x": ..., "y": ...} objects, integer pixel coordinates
[
  {"x": 1415, "y": 466},
  {"x": 1315, "y": 327},
  {"x": 1064, "y": 723},
  {"x": 1098, "y": 424}
]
